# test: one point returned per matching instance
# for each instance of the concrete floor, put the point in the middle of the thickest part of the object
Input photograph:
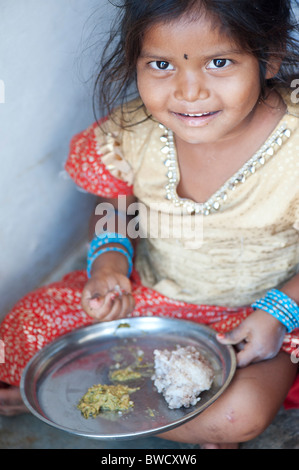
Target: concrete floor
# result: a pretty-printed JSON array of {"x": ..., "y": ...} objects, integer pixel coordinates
[{"x": 28, "y": 432}]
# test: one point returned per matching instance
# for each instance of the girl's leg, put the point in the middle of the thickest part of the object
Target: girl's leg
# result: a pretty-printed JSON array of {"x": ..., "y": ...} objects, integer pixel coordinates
[
  {"x": 56, "y": 309},
  {"x": 37, "y": 319},
  {"x": 244, "y": 410}
]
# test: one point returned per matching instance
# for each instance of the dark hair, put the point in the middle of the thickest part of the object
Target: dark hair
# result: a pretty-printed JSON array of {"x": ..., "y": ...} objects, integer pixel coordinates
[{"x": 265, "y": 28}]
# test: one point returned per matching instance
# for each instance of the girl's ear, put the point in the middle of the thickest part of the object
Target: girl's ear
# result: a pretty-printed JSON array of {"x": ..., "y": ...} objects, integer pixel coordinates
[{"x": 273, "y": 67}]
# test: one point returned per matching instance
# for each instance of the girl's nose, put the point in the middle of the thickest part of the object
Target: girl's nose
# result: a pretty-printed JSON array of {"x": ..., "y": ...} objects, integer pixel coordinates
[{"x": 191, "y": 88}]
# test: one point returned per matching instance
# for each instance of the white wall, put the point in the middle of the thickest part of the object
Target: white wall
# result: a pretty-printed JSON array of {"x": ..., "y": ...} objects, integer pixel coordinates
[{"x": 47, "y": 57}]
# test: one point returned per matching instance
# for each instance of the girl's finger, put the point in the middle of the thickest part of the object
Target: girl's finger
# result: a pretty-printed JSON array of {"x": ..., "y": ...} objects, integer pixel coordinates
[
  {"x": 235, "y": 336},
  {"x": 122, "y": 306},
  {"x": 126, "y": 305},
  {"x": 95, "y": 302},
  {"x": 131, "y": 303},
  {"x": 246, "y": 356},
  {"x": 115, "y": 311},
  {"x": 100, "y": 307}
]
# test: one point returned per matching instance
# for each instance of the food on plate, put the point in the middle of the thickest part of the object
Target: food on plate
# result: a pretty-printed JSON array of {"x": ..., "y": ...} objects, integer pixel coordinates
[
  {"x": 181, "y": 375},
  {"x": 124, "y": 375},
  {"x": 100, "y": 398}
]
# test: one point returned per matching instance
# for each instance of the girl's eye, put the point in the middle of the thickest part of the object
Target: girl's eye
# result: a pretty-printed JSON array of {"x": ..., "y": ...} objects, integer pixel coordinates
[
  {"x": 219, "y": 63},
  {"x": 161, "y": 65}
]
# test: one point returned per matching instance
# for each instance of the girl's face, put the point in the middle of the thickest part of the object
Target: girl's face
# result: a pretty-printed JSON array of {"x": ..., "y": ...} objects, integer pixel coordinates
[{"x": 196, "y": 81}]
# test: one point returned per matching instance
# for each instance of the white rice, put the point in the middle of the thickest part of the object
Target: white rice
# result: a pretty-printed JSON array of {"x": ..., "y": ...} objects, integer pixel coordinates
[{"x": 181, "y": 375}]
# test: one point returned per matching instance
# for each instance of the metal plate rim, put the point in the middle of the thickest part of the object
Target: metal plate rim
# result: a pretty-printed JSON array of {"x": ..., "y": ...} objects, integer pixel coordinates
[{"x": 58, "y": 343}]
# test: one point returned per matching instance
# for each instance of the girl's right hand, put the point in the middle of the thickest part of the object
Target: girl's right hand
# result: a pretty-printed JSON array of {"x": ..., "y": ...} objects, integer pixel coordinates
[{"x": 107, "y": 295}]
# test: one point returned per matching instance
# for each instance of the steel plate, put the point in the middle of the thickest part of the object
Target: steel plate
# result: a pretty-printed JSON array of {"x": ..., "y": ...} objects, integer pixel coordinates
[{"x": 59, "y": 375}]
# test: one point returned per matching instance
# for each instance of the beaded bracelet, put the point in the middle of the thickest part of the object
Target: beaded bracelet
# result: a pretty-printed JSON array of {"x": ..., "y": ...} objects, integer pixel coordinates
[
  {"x": 281, "y": 306},
  {"x": 109, "y": 237},
  {"x": 100, "y": 243},
  {"x": 105, "y": 250}
]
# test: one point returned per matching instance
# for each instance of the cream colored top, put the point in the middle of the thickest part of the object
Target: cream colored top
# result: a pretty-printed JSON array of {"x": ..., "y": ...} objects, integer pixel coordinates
[{"x": 244, "y": 241}]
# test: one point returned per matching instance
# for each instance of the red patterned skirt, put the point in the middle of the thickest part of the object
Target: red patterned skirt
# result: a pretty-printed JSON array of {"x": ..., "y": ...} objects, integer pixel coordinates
[{"x": 53, "y": 310}]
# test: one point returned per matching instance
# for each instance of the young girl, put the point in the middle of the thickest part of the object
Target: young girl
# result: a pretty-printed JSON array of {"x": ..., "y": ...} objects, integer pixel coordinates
[{"x": 212, "y": 140}]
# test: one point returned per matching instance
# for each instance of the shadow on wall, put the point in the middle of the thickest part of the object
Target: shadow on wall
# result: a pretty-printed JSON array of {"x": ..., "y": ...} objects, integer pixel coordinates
[{"x": 48, "y": 58}]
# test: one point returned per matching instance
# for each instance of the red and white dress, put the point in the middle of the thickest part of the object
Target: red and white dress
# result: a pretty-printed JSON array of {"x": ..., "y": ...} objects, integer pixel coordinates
[{"x": 248, "y": 242}]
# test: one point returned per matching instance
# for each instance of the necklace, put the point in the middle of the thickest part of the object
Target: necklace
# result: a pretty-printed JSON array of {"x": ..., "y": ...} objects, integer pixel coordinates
[{"x": 214, "y": 203}]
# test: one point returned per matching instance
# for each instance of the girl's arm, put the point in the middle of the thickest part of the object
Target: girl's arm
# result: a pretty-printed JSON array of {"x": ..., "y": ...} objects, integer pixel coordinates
[
  {"x": 260, "y": 335},
  {"x": 107, "y": 293},
  {"x": 291, "y": 288}
]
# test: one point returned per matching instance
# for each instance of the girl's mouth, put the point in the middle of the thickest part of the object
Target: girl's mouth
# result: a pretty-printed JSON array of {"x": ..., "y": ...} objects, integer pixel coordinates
[
  {"x": 195, "y": 115},
  {"x": 196, "y": 119}
]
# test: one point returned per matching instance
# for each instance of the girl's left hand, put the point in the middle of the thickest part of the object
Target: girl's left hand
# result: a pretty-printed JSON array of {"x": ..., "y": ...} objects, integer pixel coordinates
[{"x": 259, "y": 337}]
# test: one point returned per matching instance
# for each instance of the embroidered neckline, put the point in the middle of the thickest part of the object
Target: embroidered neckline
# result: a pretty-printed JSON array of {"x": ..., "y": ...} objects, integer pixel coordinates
[{"x": 214, "y": 203}]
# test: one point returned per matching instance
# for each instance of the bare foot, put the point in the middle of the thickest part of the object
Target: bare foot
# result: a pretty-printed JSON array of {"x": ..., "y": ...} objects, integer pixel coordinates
[
  {"x": 11, "y": 402},
  {"x": 219, "y": 446}
]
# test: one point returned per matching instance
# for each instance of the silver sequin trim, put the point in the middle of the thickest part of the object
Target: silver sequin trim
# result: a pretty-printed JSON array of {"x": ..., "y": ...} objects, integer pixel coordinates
[{"x": 214, "y": 203}]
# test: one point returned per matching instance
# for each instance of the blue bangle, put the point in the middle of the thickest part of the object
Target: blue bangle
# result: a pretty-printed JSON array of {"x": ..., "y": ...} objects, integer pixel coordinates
[
  {"x": 109, "y": 237},
  {"x": 105, "y": 250},
  {"x": 286, "y": 305},
  {"x": 269, "y": 308},
  {"x": 281, "y": 306}
]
